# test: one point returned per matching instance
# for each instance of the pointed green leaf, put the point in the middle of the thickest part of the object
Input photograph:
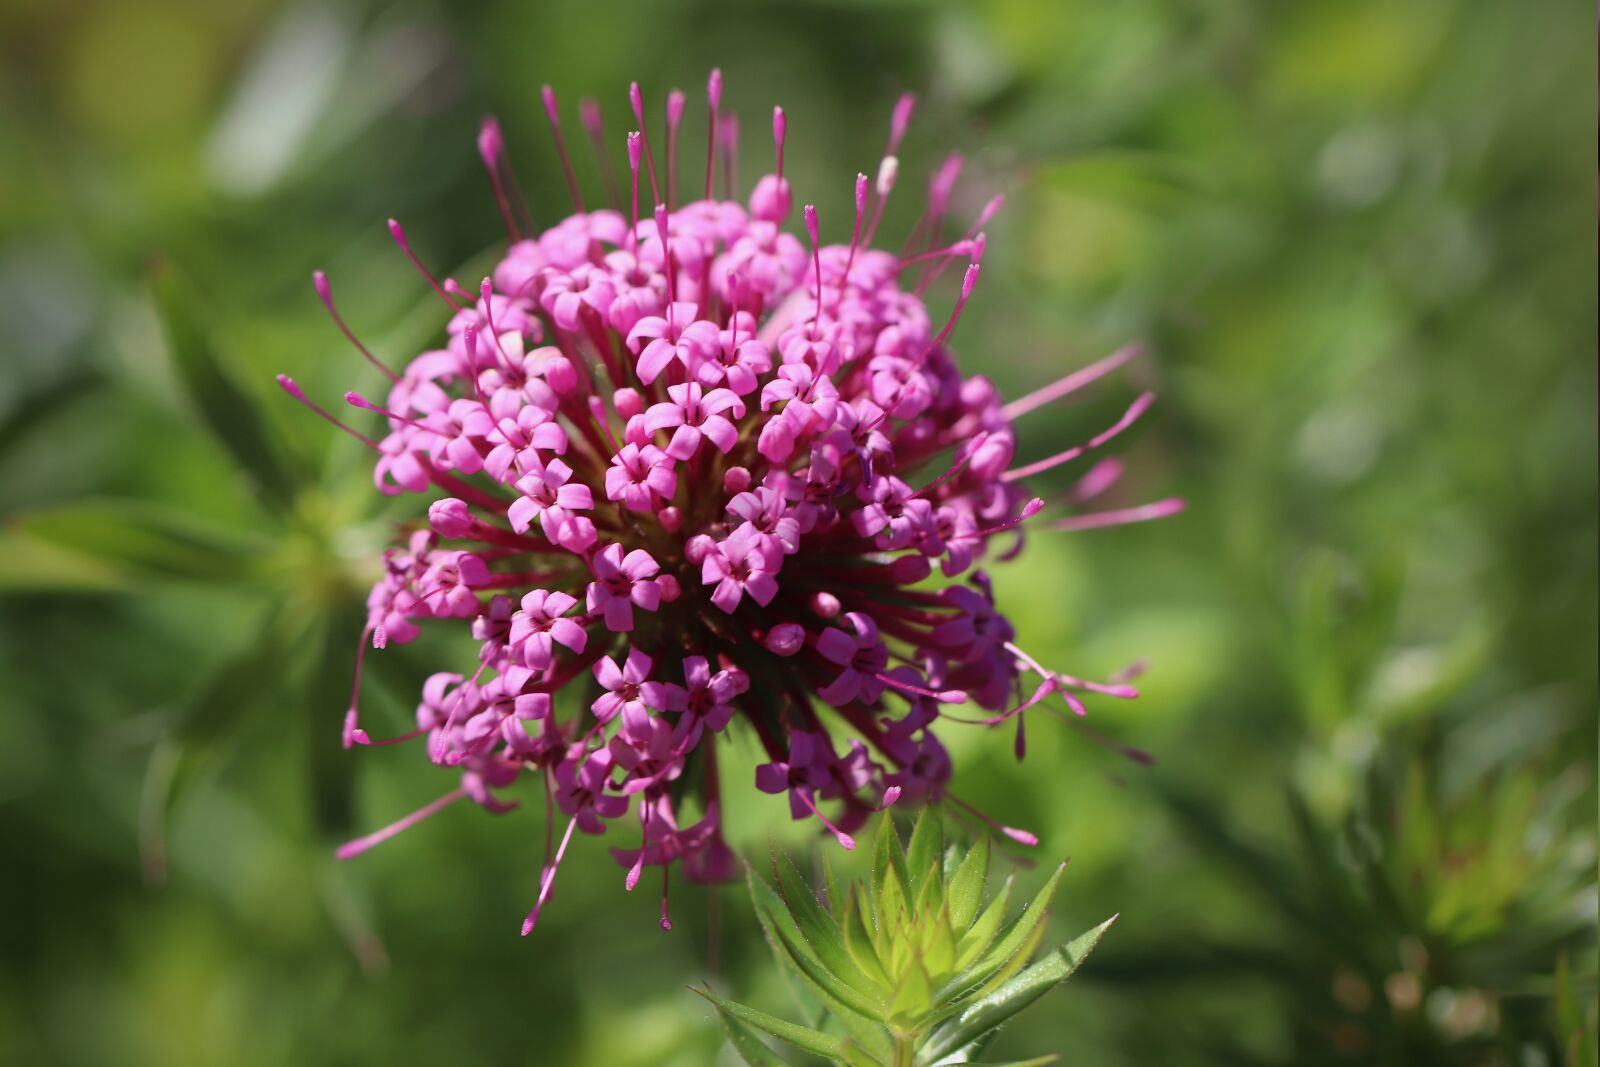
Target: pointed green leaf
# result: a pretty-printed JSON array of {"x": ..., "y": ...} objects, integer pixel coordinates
[
  {"x": 888, "y": 864},
  {"x": 982, "y": 933},
  {"x": 858, "y": 941},
  {"x": 914, "y": 997},
  {"x": 926, "y": 849},
  {"x": 965, "y": 891},
  {"x": 1013, "y": 941},
  {"x": 802, "y": 1037},
  {"x": 788, "y": 945},
  {"x": 993, "y": 1010},
  {"x": 819, "y": 929},
  {"x": 939, "y": 945},
  {"x": 225, "y": 409},
  {"x": 750, "y": 1048}
]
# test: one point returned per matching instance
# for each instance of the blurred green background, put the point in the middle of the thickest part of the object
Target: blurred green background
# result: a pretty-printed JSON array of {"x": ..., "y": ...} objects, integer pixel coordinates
[{"x": 1360, "y": 239}]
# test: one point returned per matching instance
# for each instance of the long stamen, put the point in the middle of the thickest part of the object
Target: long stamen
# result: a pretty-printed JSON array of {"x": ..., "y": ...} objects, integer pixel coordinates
[
  {"x": 973, "y": 233},
  {"x": 1071, "y": 383},
  {"x": 666, "y": 254},
  {"x": 940, "y": 186},
  {"x": 1029, "y": 510},
  {"x": 547, "y": 880},
  {"x": 486, "y": 294},
  {"x": 634, "y": 140},
  {"x": 666, "y": 923},
  {"x": 325, "y": 294},
  {"x": 714, "y": 100},
  {"x": 491, "y": 148},
  {"x": 816, "y": 256},
  {"x": 899, "y": 122},
  {"x": 888, "y": 168},
  {"x": 675, "y": 106},
  {"x": 968, "y": 283},
  {"x": 1045, "y": 688},
  {"x": 399, "y": 236},
  {"x": 356, "y": 400},
  {"x": 943, "y": 696},
  {"x": 594, "y": 127},
  {"x": 846, "y": 842},
  {"x": 960, "y": 248},
  {"x": 554, "y": 115},
  {"x": 855, "y": 232},
  {"x": 637, "y": 100},
  {"x": 353, "y": 734},
  {"x": 1144, "y": 513},
  {"x": 960, "y": 464},
  {"x": 644, "y": 842},
  {"x": 292, "y": 387},
  {"x": 780, "y": 129},
  {"x": 361, "y": 844},
  {"x": 1021, "y": 837},
  {"x": 1140, "y": 405}
]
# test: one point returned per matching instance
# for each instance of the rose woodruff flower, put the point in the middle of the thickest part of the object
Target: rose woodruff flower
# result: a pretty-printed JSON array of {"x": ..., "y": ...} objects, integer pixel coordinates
[{"x": 693, "y": 472}]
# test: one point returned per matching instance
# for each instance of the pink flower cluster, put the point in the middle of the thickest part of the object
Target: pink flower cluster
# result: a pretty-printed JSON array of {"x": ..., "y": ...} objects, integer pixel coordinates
[{"x": 689, "y": 469}]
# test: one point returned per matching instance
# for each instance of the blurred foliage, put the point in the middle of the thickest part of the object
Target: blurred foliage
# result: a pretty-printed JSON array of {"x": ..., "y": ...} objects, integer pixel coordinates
[{"x": 1360, "y": 236}]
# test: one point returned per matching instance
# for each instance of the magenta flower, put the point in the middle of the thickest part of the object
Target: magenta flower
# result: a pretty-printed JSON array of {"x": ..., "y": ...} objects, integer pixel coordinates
[{"x": 667, "y": 455}]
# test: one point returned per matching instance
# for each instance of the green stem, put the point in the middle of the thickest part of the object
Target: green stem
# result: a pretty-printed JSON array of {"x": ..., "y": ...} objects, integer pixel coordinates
[{"x": 905, "y": 1050}]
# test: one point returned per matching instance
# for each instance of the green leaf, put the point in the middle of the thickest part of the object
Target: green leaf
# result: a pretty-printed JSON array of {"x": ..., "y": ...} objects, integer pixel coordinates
[
  {"x": 750, "y": 1048},
  {"x": 141, "y": 540},
  {"x": 993, "y": 1010},
  {"x": 851, "y": 1008},
  {"x": 982, "y": 933},
  {"x": 1015, "y": 939},
  {"x": 924, "y": 855},
  {"x": 1037, "y": 1061},
  {"x": 965, "y": 891},
  {"x": 802, "y": 1037},
  {"x": 225, "y": 409},
  {"x": 888, "y": 864},
  {"x": 858, "y": 940},
  {"x": 820, "y": 930},
  {"x": 914, "y": 997}
]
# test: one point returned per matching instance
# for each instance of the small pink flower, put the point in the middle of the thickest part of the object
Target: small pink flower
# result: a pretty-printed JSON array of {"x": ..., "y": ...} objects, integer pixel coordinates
[{"x": 620, "y": 583}]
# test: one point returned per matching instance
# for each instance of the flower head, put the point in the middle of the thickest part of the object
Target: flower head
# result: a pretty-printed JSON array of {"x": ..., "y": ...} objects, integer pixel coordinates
[{"x": 675, "y": 454}]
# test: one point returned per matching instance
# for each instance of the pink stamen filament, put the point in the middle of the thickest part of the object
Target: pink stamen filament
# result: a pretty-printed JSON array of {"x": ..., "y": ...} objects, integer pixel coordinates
[
  {"x": 960, "y": 464},
  {"x": 1140, "y": 405},
  {"x": 361, "y": 844},
  {"x": 547, "y": 880},
  {"x": 1022, "y": 837},
  {"x": 594, "y": 127},
  {"x": 325, "y": 293},
  {"x": 944, "y": 696},
  {"x": 1071, "y": 383},
  {"x": 1144, "y": 513},
  {"x": 290, "y": 386},
  {"x": 1029, "y": 510},
  {"x": 714, "y": 100},
  {"x": 846, "y": 842},
  {"x": 554, "y": 115},
  {"x": 491, "y": 147},
  {"x": 637, "y": 100},
  {"x": 399, "y": 236}
]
